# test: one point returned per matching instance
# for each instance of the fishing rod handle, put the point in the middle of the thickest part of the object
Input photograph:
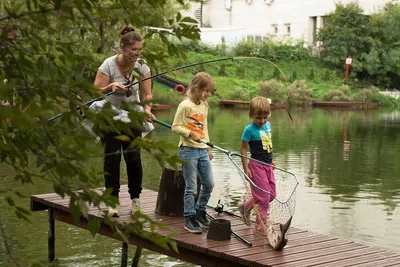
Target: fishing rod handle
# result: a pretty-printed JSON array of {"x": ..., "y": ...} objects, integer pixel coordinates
[
  {"x": 161, "y": 123},
  {"x": 249, "y": 244},
  {"x": 169, "y": 126}
]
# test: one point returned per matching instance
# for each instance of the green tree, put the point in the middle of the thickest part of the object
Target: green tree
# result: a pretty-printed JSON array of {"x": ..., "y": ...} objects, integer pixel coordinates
[
  {"x": 345, "y": 34},
  {"x": 48, "y": 61},
  {"x": 382, "y": 62}
]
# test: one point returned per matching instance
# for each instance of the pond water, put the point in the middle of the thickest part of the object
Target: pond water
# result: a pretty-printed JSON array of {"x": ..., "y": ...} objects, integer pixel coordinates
[{"x": 347, "y": 162}]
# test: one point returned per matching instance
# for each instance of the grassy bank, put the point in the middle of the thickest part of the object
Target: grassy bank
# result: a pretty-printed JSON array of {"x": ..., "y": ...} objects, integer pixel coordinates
[{"x": 241, "y": 80}]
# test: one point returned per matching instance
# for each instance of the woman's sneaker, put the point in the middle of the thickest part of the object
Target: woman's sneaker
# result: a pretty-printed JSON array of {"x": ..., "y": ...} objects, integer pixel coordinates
[
  {"x": 113, "y": 212},
  {"x": 192, "y": 225},
  {"x": 245, "y": 213},
  {"x": 135, "y": 205},
  {"x": 201, "y": 218}
]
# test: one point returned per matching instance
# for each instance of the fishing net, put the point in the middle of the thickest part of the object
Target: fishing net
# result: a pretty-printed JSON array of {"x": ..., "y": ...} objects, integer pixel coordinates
[{"x": 282, "y": 207}]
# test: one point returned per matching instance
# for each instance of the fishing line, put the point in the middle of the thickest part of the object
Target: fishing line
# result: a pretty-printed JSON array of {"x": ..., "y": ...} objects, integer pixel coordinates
[{"x": 176, "y": 69}]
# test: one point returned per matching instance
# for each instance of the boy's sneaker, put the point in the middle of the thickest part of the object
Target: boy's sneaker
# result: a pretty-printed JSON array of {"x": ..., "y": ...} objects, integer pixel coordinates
[
  {"x": 245, "y": 213},
  {"x": 135, "y": 205},
  {"x": 202, "y": 219},
  {"x": 192, "y": 225},
  {"x": 113, "y": 212}
]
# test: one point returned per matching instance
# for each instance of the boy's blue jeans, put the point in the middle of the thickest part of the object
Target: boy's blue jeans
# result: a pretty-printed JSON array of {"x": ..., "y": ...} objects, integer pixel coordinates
[{"x": 197, "y": 163}]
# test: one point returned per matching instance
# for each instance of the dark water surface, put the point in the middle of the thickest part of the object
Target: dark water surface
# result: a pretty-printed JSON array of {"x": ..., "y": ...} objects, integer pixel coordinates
[{"x": 348, "y": 164}]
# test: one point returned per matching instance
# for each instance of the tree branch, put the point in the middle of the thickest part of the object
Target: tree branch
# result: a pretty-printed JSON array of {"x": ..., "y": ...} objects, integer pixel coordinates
[
  {"x": 24, "y": 14},
  {"x": 16, "y": 63}
]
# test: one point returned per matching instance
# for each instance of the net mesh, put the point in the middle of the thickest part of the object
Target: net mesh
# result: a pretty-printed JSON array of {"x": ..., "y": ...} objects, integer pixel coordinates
[{"x": 282, "y": 207}]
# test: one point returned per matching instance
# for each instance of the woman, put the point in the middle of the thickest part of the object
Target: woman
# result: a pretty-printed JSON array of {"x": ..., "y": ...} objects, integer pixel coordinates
[{"x": 111, "y": 76}]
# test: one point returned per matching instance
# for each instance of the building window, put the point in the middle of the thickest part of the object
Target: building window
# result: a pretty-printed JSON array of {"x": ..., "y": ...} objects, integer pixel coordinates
[
  {"x": 323, "y": 21},
  {"x": 287, "y": 25},
  {"x": 274, "y": 29},
  {"x": 228, "y": 4},
  {"x": 313, "y": 30}
]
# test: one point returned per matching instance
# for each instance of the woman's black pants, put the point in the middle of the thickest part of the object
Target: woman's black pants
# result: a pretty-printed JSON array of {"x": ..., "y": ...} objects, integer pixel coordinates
[{"x": 113, "y": 148}]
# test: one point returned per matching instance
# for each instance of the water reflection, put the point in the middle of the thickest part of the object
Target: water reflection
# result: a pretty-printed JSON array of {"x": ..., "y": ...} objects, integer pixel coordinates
[{"x": 346, "y": 161}]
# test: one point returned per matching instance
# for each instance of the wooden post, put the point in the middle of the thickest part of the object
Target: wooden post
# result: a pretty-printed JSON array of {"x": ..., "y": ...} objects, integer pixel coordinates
[
  {"x": 346, "y": 74},
  {"x": 51, "y": 236},
  {"x": 135, "y": 261},
  {"x": 171, "y": 191},
  {"x": 124, "y": 256}
]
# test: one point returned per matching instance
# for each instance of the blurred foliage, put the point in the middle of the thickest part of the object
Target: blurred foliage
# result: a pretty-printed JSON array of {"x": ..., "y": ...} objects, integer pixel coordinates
[{"x": 50, "y": 52}]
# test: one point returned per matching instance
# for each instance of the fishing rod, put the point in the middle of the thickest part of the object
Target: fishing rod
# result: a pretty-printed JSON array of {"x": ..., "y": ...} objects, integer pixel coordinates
[
  {"x": 172, "y": 70},
  {"x": 233, "y": 154},
  {"x": 219, "y": 209}
]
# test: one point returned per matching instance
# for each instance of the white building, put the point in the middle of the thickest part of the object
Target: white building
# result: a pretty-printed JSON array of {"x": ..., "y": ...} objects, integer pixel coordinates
[{"x": 258, "y": 19}]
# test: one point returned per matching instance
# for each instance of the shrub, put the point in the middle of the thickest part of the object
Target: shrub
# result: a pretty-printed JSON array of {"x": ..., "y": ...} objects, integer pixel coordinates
[
  {"x": 213, "y": 101},
  {"x": 299, "y": 94},
  {"x": 338, "y": 94},
  {"x": 238, "y": 94},
  {"x": 276, "y": 74},
  {"x": 311, "y": 75},
  {"x": 293, "y": 77},
  {"x": 246, "y": 48},
  {"x": 260, "y": 75},
  {"x": 202, "y": 68},
  {"x": 162, "y": 95},
  {"x": 270, "y": 89},
  {"x": 327, "y": 75},
  {"x": 240, "y": 72},
  {"x": 222, "y": 71},
  {"x": 365, "y": 95}
]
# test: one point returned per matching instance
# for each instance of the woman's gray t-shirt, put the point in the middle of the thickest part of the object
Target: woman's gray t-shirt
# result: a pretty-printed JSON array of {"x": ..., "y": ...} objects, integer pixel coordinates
[{"x": 110, "y": 69}]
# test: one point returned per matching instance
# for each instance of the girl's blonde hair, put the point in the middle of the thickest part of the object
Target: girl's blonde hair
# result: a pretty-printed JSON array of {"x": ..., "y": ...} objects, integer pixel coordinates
[
  {"x": 129, "y": 34},
  {"x": 259, "y": 105},
  {"x": 201, "y": 82}
]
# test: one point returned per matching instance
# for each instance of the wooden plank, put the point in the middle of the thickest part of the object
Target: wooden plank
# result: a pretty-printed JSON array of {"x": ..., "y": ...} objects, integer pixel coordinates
[
  {"x": 37, "y": 205},
  {"x": 297, "y": 248},
  {"x": 343, "y": 104},
  {"x": 323, "y": 256},
  {"x": 288, "y": 258},
  {"x": 255, "y": 256},
  {"x": 304, "y": 248},
  {"x": 362, "y": 260},
  {"x": 260, "y": 244},
  {"x": 392, "y": 261},
  {"x": 184, "y": 254}
]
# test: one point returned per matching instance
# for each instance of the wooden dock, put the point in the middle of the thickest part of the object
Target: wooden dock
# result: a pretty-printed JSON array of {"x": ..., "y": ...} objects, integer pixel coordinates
[
  {"x": 157, "y": 107},
  {"x": 232, "y": 103},
  {"x": 304, "y": 248},
  {"x": 344, "y": 104}
]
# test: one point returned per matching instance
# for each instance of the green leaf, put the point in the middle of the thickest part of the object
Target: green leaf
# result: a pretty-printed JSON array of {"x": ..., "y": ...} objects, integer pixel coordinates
[
  {"x": 94, "y": 226},
  {"x": 189, "y": 20},
  {"x": 10, "y": 201},
  {"x": 178, "y": 16},
  {"x": 123, "y": 138},
  {"x": 75, "y": 211}
]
